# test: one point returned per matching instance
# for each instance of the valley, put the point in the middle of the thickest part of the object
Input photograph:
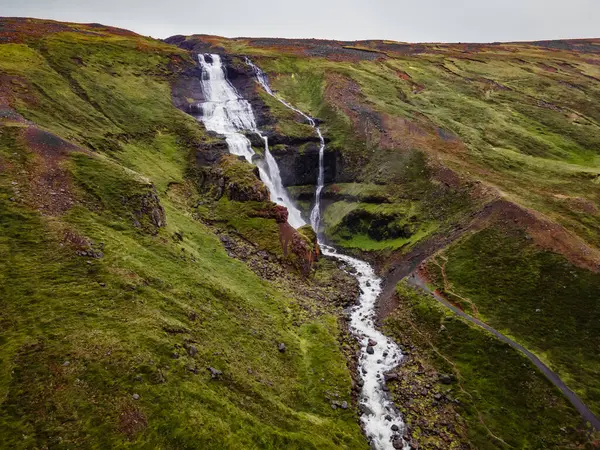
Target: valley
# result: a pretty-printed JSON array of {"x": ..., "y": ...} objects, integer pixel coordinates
[{"x": 195, "y": 231}]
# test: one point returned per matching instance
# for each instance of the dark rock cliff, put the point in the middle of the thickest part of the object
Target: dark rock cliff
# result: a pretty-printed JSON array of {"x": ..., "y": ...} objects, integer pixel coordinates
[{"x": 298, "y": 158}]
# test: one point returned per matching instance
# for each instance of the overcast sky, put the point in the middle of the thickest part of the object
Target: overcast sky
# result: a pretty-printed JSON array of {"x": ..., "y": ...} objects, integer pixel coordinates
[{"x": 400, "y": 20}]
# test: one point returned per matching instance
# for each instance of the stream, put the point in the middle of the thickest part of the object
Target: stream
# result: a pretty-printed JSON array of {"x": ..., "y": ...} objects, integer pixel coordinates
[
  {"x": 382, "y": 423},
  {"x": 227, "y": 113}
]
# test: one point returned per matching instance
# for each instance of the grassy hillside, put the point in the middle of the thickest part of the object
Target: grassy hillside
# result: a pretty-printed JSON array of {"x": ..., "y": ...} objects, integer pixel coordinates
[
  {"x": 145, "y": 291},
  {"x": 536, "y": 296},
  {"x": 520, "y": 118},
  {"x": 502, "y": 399},
  {"x": 442, "y": 140},
  {"x": 125, "y": 321}
]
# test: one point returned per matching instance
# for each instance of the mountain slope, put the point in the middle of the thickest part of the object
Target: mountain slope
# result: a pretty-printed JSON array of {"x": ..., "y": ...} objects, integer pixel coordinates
[
  {"x": 125, "y": 320},
  {"x": 430, "y": 144},
  {"x": 145, "y": 280}
]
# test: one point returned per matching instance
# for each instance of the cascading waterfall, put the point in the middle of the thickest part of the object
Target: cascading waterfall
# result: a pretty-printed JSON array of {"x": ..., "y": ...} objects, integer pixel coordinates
[
  {"x": 225, "y": 112},
  {"x": 382, "y": 422},
  {"x": 315, "y": 214}
]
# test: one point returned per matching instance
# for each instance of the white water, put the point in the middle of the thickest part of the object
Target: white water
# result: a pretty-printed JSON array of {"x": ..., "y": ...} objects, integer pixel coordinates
[
  {"x": 227, "y": 113},
  {"x": 381, "y": 414}
]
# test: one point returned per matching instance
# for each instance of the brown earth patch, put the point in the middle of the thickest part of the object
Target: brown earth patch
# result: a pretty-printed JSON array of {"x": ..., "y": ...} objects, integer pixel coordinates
[
  {"x": 48, "y": 182},
  {"x": 344, "y": 93},
  {"x": 546, "y": 67},
  {"x": 9, "y": 86},
  {"x": 545, "y": 233},
  {"x": 403, "y": 75},
  {"x": 132, "y": 421},
  {"x": 408, "y": 134},
  {"x": 579, "y": 203},
  {"x": 384, "y": 130}
]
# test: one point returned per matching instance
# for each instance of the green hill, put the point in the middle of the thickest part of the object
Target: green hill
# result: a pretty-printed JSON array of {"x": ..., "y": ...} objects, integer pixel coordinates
[{"x": 145, "y": 290}]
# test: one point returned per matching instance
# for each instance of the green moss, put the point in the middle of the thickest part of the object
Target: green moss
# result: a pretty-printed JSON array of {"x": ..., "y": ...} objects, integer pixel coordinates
[
  {"x": 500, "y": 393},
  {"x": 81, "y": 335},
  {"x": 546, "y": 303}
]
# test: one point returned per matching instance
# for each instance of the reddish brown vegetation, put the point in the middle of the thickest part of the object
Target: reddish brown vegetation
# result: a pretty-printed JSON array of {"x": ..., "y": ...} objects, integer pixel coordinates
[
  {"x": 546, "y": 234},
  {"x": 19, "y": 29},
  {"x": 132, "y": 421},
  {"x": 49, "y": 184}
]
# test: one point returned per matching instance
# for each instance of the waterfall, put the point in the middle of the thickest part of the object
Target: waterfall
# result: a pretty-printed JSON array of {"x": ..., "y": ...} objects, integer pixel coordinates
[
  {"x": 315, "y": 214},
  {"x": 382, "y": 422},
  {"x": 225, "y": 112}
]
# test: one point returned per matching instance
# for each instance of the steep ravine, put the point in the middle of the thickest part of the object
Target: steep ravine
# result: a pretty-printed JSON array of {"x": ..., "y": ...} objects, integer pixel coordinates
[
  {"x": 382, "y": 422},
  {"x": 227, "y": 113}
]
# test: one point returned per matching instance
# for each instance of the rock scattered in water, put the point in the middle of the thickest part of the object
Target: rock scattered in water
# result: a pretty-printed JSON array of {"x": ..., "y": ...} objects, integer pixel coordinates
[
  {"x": 370, "y": 350},
  {"x": 365, "y": 410},
  {"x": 397, "y": 443},
  {"x": 395, "y": 427},
  {"x": 372, "y": 343}
]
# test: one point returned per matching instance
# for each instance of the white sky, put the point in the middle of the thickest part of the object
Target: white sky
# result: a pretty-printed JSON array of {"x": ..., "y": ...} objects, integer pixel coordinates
[{"x": 401, "y": 20}]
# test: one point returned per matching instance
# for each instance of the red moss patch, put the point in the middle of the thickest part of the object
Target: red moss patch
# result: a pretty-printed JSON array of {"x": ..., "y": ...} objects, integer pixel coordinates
[{"x": 546, "y": 234}]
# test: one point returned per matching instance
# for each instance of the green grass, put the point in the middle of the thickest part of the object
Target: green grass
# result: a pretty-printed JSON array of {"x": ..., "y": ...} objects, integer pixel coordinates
[
  {"x": 546, "y": 303},
  {"x": 493, "y": 382},
  {"x": 533, "y": 134},
  {"x": 118, "y": 320}
]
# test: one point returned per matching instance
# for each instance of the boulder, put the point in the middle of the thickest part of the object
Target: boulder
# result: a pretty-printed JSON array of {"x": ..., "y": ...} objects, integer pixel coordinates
[
  {"x": 214, "y": 373},
  {"x": 364, "y": 409},
  {"x": 446, "y": 379}
]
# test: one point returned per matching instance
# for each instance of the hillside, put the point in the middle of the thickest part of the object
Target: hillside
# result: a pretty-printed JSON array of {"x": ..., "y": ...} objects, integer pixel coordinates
[{"x": 147, "y": 282}]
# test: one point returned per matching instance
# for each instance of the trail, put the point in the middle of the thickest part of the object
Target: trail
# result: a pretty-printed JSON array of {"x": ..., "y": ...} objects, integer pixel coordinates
[{"x": 585, "y": 412}]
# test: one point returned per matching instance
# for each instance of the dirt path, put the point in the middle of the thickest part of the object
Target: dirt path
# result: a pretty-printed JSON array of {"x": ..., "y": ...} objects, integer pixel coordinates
[{"x": 586, "y": 413}]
